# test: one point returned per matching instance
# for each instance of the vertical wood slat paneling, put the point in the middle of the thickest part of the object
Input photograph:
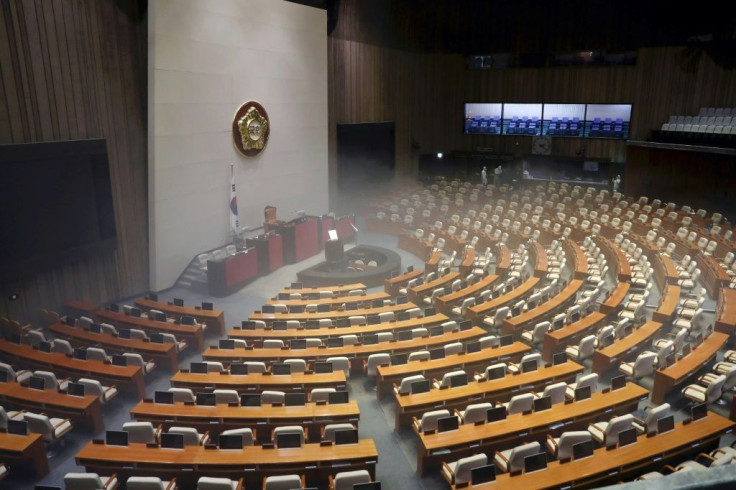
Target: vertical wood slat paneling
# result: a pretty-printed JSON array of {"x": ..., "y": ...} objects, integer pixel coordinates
[
  {"x": 72, "y": 70},
  {"x": 425, "y": 93}
]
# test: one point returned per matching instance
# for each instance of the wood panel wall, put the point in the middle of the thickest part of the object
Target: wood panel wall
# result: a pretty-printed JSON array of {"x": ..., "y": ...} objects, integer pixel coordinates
[
  {"x": 74, "y": 70},
  {"x": 424, "y": 94}
]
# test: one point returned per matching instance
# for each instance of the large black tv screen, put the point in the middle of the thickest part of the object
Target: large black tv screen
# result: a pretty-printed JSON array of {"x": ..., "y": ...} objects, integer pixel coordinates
[{"x": 56, "y": 202}]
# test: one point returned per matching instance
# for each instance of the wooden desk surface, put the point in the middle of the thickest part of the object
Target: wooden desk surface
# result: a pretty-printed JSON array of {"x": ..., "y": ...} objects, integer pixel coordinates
[
  {"x": 333, "y": 314},
  {"x": 418, "y": 292},
  {"x": 445, "y": 303},
  {"x": 87, "y": 408},
  {"x": 623, "y": 349},
  {"x": 341, "y": 289},
  {"x": 503, "y": 258},
  {"x": 619, "y": 462},
  {"x": 213, "y": 318},
  {"x": 614, "y": 300},
  {"x": 27, "y": 452},
  {"x": 665, "y": 379},
  {"x": 249, "y": 382},
  {"x": 166, "y": 351},
  {"x": 387, "y": 375},
  {"x": 416, "y": 246},
  {"x": 712, "y": 275},
  {"x": 352, "y": 351},
  {"x": 475, "y": 392},
  {"x": 665, "y": 312},
  {"x": 303, "y": 333},
  {"x": 470, "y": 439},
  {"x": 253, "y": 462},
  {"x": 726, "y": 312},
  {"x": 130, "y": 377},
  {"x": 557, "y": 340},
  {"x": 433, "y": 261},
  {"x": 193, "y": 333},
  {"x": 330, "y": 301},
  {"x": 615, "y": 256},
  {"x": 477, "y": 312},
  {"x": 515, "y": 324},
  {"x": 541, "y": 260},
  {"x": 575, "y": 252},
  {"x": 392, "y": 284}
]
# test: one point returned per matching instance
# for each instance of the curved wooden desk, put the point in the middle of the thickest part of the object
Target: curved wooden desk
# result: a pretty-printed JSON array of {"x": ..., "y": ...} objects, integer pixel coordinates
[
  {"x": 215, "y": 319},
  {"x": 251, "y": 462},
  {"x": 193, "y": 334},
  {"x": 513, "y": 326},
  {"x": 478, "y": 312},
  {"x": 626, "y": 348},
  {"x": 446, "y": 302},
  {"x": 332, "y": 315},
  {"x": 393, "y": 284},
  {"x": 25, "y": 452},
  {"x": 557, "y": 340},
  {"x": 257, "y": 382}
]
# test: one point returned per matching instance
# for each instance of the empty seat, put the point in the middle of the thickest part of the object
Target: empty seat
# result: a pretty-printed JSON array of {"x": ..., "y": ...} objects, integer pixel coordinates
[
  {"x": 512, "y": 460},
  {"x": 149, "y": 483},
  {"x": 191, "y": 436},
  {"x": 89, "y": 481},
  {"x": 606, "y": 433},
  {"x": 459, "y": 472},
  {"x": 142, "y": 432},
  {"x": 247, "y": 434},
  {"x": 561, "y": 447},
  {"x": 346, "y": 480},
  {"x": 281, "y": 482},
  {"x": 94, "y": 387}
]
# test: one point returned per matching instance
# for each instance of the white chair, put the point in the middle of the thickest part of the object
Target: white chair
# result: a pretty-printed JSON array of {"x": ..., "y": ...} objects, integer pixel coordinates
[
  {"x": 328, "y": 432},
  {"x": 94, "y": 387},
  {"x": 191, "y": 436},
  {"x": 320, "y": 394},
  {"x": 649, "y": 424},
  {"x": 281, "y": 482},
  {"x": 642, "y": 366},
  {"x": 226, "y": 396},
  {"x": 288, "y": 429},
  {"x": 248, "y": 435},
  {"x": 135, "y": 359},
  {"x": 512, "y": 460},
  {"x": 149, "y": 483},
  {"x": 429, "y": 420},
  {"x": 583, "y": 350},
  {"x": 537, "y": 334},
  {"x": 475, "y": 412},
  {"x": 89, "y": 481},
  {"x": 269, "y": 397},
  {"x": 556, "y": 392},
  {"x": 583, "y": 381},
  {"x": 459, "y": 472},
  {"x": 561, "y": 447},
  {"x": 606, "y": 433},
  {"x": 709, "y": 394},
  {"x": 374, "y": 360},
  {"x": 11, "y": 375},
  {"x": 142, "y": 432},
  {"x": 519, "y": 403},
  {"x": 346, "y": 480},
  {"x": 404, "y": 387},
  {"x": 340, "y": 363},
  {"x": 50, "y": 382},
  {"x": 182, "y": 395}
]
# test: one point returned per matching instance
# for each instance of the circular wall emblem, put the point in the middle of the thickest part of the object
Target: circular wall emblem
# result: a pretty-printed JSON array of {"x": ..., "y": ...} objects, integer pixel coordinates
[{"x": 250, "y": 129}]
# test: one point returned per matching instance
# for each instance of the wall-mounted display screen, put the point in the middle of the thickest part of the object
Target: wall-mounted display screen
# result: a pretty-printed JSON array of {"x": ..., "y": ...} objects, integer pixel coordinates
[
  {"x": 522, "y": 119},
  {"x": 571, "y": 120},
  {"x": 483, "y": 118},
  {"x": 563, "y": 120},
  {"x": 607, "y": 121}
]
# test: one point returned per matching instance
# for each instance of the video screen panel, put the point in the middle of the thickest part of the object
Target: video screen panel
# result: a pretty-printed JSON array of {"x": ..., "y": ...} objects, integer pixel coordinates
[
  {"x": 522, "y": 119},
  {"x": 607, "y": 121},
  {"x": 483, "y": 118},
  {"x": 563, "y": 120}
]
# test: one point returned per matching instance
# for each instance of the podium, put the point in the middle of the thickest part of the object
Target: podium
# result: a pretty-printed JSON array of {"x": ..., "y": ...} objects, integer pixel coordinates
[
  {"x": 301, "y": 238},
  {"x": 334, "y": 251},
  {"x": 270, "y": 252},
  {"x": 225, "y": 276}
]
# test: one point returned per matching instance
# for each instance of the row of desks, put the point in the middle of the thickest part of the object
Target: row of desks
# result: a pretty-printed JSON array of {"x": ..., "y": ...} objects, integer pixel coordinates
[
  {"x": 258, "y": 382},
  {"x": 356, "y": 353},
  {"x": 514, "y": 325},
  {"x": 333, "y": 315},
  {"x": 193, "y": 334}
]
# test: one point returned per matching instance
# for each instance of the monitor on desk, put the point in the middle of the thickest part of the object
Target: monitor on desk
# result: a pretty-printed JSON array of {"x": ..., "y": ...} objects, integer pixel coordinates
[
  {"x": 198, "y": 368},
  {"x": 370, "y": 339},
  {"x": 298, "y": 344},
  {"x": 95, "y": 328},
  {"x": 163, "y": 397},
  {"x": 178, "y": 302},
  {"x": 135, "y": 312},
  {"x": 268, "y": 309},
  {"x": 465, "y": 325},
  {"x": 351, "y": 305},
  {"x": 297, "y": 285},
  {"x": 323, "y": 367},
  {"x": 399, "y": 359},
  {"x": 483, "y": 474},
  {"x": 559, "y": 358},
  {"x": 119, "y": 360},
  {"x": 159, "y": 316},
  {"x": 373, "y": 319},
  {"x": 582, "y": 393},
  {"x": 458, "y": 380},
  {"x": 403, "y": 316},
  {"x": 17, "y": 427},
  {"x": 582, "y": 450},
  {"x": 124, "y": 333},
  {"x": 228, "y": 344},
  {"x": 472, "y": 347},
  {"x": 37, "y": 383},
  {"x": 311, "y": 324},
  {"x": 698, "y": 340},
  {"x": 280, "y": 369},
  {"x": 250, "y": 400},
  {"x": 618, "y": 382},
  {"x": 377, "y": 303},
  {"x": 80, "y": 354},
  {"x": 284, "y": 296},
  {"x": 420, "y": 387},
  {"x": 338, "y": 397},
  {"x": 686, "y": 349},
  {"x": 342, "y": 322},
  {"x": 497, "y": 372},
  {"x": 297, "y": 308},
  {"x": 438, "y": 353},
  {"x": 446, "y": 424},
  {"x": 374, "y": 485},
  {"x": 44, "y": 346},
  {"x": 114, "y": 307},
  {"x": 431, "y": 311},
  {"x": 188, "y": 320},
  {"x": 3, "y": 376},
  {"x": 541, "y": 404},
  {"x": 436, "y": 331},
  {"x": 402, "y": 300},
  {"x": 70, "y": 320},
  {"x": 116, "y": 438},
  {"x": 279, "y": 325},
  {"x": 529, "y": 366},
  {"x": 626, "y": 437},
  {"x": 294, "y": 400},
  {"x": 535, "y": 463},
  {"x": 665, "y": 424},
  {"x": 152, "y": 296},
  {"x": 324, "y": 308},
  {"x": 506, "y": 340},
  {"x": 172, "y": 441},
  {"x": 335, "y": 342},
  {"x": 410, "y": 269},
  {"x": 239, "y": 369},
  {"x": 206, "y": 306},
  {"x": 698, "y": 411},
  {"x": 284, "y": 441},
  {"x": 496, "y": 414},
  {"x": 346, "y": 436},
  {"x": 231, "y": 441},
  {"x": 206, "y": 399},
  {"x": 406, "y": 335},
  {"x": 247, "y": 325}
]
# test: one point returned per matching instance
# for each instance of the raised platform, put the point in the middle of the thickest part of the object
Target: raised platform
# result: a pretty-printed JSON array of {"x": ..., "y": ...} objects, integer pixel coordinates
[{"x": 350, "y": 271}]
